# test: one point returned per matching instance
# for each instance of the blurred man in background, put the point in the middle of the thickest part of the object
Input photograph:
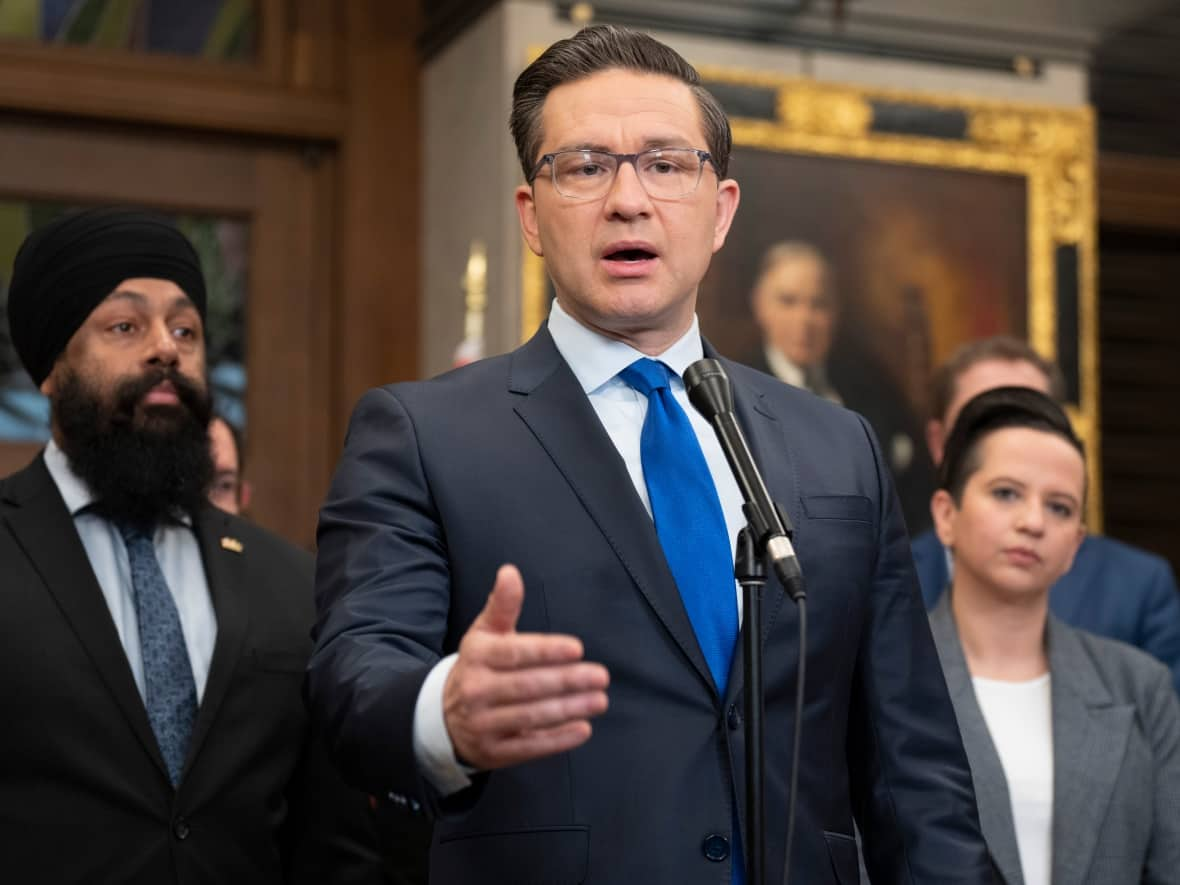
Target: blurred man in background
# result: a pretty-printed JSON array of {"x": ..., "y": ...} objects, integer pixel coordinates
[{"x": 229, "y": 490}]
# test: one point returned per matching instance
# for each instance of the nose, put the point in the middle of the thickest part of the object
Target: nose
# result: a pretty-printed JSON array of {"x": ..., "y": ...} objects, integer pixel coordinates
[
  {"x": 627, "y": 197},
  {"x": 162, "y": 349},
  {"x": 1032, "y": 516}
]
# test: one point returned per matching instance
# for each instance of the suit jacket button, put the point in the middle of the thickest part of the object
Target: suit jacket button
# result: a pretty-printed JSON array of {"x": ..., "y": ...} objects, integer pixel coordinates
[
  {"x": 715, "y": 847},
  {"x": 180, "y": 828},
  {"x": 734, "y": 717}
]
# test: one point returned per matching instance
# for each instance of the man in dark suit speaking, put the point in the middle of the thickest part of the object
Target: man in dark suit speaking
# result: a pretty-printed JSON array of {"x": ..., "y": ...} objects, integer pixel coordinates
[
  {"x": 582, "y": 723},
  {"x": 151, "y": 646}
]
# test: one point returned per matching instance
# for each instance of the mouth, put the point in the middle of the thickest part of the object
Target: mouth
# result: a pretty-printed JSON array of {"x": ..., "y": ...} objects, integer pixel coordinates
[
  {"x": 629, "y": 259},
  {"x": 1022, "y": 556},
  {"x": 163, "y": 394}
]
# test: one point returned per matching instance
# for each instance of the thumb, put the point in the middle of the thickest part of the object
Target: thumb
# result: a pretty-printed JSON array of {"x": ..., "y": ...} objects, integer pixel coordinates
[{"x": 502, "y": 609}]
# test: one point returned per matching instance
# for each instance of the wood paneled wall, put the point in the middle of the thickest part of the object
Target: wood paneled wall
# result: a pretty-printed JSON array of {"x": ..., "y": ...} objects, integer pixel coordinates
[
  {"x": 325, "y": 131},
  {"x": 1139, "y": 265}
]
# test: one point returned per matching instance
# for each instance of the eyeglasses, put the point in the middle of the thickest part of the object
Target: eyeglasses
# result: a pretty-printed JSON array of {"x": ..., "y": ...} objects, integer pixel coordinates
[{"x": 665, "y": 173}]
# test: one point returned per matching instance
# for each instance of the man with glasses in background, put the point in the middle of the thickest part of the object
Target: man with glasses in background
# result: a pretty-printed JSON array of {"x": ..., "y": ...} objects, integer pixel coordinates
[{"x": 582, "y": 723}]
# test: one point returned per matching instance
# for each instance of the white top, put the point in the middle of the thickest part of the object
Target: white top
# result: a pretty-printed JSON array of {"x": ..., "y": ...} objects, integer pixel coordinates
[
  {"x": 180, "y": 561},
  {"x": 1019, "y": 716},
  {"x": 596, "y": 362}
]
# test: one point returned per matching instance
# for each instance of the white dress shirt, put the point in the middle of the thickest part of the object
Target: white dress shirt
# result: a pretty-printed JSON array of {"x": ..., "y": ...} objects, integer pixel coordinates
[
  {"x": 180, "y": 560},
  {"x": 596, "y": 362},
  {"x": 1019, "y": 717}
]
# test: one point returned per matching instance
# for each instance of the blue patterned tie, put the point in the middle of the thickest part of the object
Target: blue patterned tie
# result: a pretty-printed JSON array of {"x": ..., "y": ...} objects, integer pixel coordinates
[
  {"x": 688, "y": 517},
  {"x": 170, "y": 694}
]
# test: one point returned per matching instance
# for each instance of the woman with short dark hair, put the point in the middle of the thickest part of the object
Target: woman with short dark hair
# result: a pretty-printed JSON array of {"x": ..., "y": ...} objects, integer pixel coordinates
[{"x": 1073, "y": 740}]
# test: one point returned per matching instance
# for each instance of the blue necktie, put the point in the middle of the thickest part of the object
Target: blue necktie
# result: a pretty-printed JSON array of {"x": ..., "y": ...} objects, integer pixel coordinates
[
  {"x": 170, "y": 694},
  {"x": 688, "y": 517}
]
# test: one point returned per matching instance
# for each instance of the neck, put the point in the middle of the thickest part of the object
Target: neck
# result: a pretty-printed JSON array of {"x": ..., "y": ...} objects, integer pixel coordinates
[
  {"x": 650, "y": 336},
  {"x": 1002, "y": 639}
]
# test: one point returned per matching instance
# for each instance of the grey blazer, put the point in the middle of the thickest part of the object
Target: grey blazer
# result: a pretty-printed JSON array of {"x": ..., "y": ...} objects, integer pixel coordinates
[{"x": 1116, "y": 760}]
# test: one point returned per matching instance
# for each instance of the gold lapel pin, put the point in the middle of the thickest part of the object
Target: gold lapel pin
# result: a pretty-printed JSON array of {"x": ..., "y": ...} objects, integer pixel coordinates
[{"x": 228, "y": 543}]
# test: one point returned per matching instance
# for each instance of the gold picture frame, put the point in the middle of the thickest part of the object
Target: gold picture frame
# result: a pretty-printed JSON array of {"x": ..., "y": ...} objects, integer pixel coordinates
[{"x": 1046, "y": 153}]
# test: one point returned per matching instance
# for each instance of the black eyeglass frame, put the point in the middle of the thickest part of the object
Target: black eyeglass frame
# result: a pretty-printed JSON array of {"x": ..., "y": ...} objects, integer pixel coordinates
[{"x": 620, "y": 159}]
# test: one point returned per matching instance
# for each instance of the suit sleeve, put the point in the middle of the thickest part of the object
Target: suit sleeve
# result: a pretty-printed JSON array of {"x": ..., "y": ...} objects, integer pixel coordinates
[
  {"x": 382, "y": 596},
  {"x": 911, "y": 784},
  {"x": 331, "y": 831},
  {"x": 1159, "y": 628}
]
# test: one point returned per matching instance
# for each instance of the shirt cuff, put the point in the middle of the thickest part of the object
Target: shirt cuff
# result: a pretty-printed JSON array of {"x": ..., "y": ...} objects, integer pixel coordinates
[{"x": 433, "y": 749}]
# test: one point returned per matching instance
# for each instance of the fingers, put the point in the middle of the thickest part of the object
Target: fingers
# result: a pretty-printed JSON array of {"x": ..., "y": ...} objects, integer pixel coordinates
[
  {"x": 534, "y": 745},
  {"x": 502, "y": 610},
  {"x": 510, "y": 696},
  {"x": 533, "y": 684},
  {"x": 504, "y": 722},
  {"x": 515, "y": 651}
]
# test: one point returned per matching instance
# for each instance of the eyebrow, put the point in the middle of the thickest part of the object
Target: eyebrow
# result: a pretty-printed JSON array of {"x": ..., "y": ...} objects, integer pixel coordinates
[
  {"x": 648, "y": 144},
  {"x": 1067, "y": 496},
  {"x": 180, "y": 302}
]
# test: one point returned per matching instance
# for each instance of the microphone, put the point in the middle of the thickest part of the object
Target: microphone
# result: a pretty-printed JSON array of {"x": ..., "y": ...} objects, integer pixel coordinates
[{"x": 711, "y": 394}]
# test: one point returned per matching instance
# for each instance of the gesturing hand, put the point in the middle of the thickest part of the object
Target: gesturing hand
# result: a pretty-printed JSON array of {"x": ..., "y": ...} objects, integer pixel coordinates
[{"x": 515, "y": 696}]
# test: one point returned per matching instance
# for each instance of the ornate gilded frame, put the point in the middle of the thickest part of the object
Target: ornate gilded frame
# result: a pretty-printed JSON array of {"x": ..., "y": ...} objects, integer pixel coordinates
[{"x": 1051, "y": 148}]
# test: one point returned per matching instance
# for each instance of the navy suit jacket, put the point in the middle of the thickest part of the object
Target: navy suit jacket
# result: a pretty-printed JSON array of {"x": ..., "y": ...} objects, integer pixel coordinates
[
  {"x": 506, "y": 461},
  {"x": 1113, "y": 590}
]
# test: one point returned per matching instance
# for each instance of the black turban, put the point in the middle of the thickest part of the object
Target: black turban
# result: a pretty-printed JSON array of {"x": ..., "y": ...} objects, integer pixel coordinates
[{"x": 68, "y": 267}]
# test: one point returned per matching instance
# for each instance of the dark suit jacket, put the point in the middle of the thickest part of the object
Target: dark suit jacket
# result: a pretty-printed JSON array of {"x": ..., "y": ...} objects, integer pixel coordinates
[
  {"x": 84, "y": 795},
  {"x": 1113, "y": 589},
  {"x": 1116, "y": 760},
  {"x": 506, "y": 461}
]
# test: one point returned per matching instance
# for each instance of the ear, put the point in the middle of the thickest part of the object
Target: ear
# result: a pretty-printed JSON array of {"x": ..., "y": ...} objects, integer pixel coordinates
[
  {"x": 526, "y": 209},
  {"x": 49, "y": 385},
  {"x": 728, "y": 197},
  {"x": 245, "y": 494},
  {"x": 944, "y": 511},
  {"x": 935, "y": 437}
]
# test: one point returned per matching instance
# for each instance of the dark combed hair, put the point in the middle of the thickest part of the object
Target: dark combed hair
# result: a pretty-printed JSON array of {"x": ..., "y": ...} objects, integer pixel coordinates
[
  {"x": 603, "y": 48},
  {"x": 992, "y": 410},
  {"x": 1002, "y": 348}
]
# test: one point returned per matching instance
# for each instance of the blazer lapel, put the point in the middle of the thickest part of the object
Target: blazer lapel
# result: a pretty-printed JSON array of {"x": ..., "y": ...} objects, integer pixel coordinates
[
  {"x": 987, "y": 773},
  {"x": 772, "y": 454},
  {"x": 225, "y": 561},
  {"x": 45, "y": 530},
  {"x": 559, "y": 414},
  {"x": 1090, "y": 737}
]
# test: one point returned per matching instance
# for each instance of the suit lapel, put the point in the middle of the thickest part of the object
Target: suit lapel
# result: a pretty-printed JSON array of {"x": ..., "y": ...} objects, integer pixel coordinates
[
  {"x": 771, "y": 452},
  {"x": 1089, "y": 741},
  {"x": 45, "y": 530},
  {"x": 225, "y": 572},
  {"x": 559, "y": 415},
  {"x": 991, "y": 787}
]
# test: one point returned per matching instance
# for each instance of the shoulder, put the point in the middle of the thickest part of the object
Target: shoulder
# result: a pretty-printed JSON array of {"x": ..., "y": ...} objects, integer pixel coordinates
[
  {"x": 803, "y": 407},
  {"x": 263, "y": 546},
  {"x": 1140, "y": 575},
  {"x": 1130, "y": 674},
  {"x": 926, "y": 545},
  {"x": 1119, "y": 554}
]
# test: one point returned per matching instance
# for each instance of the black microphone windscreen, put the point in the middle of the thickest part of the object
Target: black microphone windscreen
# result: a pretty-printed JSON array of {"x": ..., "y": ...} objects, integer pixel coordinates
[{"x": 708, "y": 388}]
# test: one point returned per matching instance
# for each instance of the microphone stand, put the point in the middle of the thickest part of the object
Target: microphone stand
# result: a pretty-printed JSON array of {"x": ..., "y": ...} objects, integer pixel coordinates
[
  {"x": 750, "y": 570},
  {"x": 767, "y": 536}
]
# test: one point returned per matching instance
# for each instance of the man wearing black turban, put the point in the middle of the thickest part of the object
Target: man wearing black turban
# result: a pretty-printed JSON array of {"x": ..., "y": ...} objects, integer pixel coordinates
[{"x": 151, "y": 646}]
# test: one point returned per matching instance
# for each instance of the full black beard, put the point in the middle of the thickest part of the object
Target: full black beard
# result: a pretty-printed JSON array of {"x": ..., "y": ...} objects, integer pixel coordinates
[{"x": 143, "y": 464}]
